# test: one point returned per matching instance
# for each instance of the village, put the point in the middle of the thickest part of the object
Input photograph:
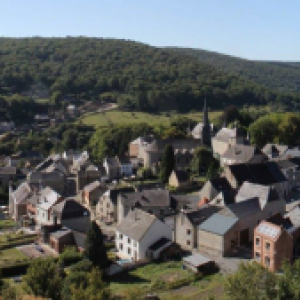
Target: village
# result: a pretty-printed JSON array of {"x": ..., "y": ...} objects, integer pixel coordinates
[{"x": 250, "y": 211}]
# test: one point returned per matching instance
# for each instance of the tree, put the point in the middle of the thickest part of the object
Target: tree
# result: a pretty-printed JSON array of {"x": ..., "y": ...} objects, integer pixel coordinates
[
  {"x": 230, "y": 114},
  {"x": 167, "y": 164},
  {"x": 43, "y": 279},
  {"x": 56, "y": 99},
  {"x": 92, "y": 288},
  {"x": 201, "y": 161},
  {"x": 251, "y": 281},
  {"x": 213, "y": 169},
  {"x": 95, "y": 249}
]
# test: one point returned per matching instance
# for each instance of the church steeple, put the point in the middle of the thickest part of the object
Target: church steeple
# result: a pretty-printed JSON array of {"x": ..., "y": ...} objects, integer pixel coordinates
[
  {"x": 206, "y": 130},
  {"x": 205, "y": 114}
]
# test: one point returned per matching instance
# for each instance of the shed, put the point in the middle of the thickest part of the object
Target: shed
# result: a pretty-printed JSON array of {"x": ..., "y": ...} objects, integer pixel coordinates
[{"x": 197, "y": 262}]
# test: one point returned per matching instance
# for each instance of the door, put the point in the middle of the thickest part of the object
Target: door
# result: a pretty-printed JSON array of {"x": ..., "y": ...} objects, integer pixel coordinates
[{"x": 244, "y": 237}]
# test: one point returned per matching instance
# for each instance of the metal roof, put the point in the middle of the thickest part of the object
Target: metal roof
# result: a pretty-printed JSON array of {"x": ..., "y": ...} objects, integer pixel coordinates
[
  {"x": 196, "y": 260},
  {"x": 218, "y": 224}
]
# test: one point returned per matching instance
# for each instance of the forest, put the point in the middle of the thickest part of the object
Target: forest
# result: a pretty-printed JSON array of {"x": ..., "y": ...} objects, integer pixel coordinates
[
  {"x": 280, "y": 76},
  {"x": 135, "y": 75}
]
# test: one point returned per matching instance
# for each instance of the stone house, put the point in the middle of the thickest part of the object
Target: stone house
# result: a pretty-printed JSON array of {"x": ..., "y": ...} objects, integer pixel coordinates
[
  {"x": 156, "y": 202},
  {"x": 238, "y": 154},
  {"x": 290, "y": 169},
  {"x": 234, "y": 225},
  {"x": 213, "y": 187},
  {"x": 272, "y": 245},
  {"x": 107, "y": 206},
  {"x": 92, "y": 192},
  {"x": 137, "y": 232},
  {"x": 18, "y": 200},
  {"x": 186, "y": 225},
  {"x": 134, "y": 146},
  {"x": 86, "y": 174},
  {"x": 112, "y": 167},
  {"x": 226, "y": 138},
  {"x": 179, "y": 179},
  {"x": 267, "y": 174}
]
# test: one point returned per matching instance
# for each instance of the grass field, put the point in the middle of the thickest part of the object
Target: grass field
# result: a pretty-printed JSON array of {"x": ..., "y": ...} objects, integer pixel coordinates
[
  {"x": 6, "y": 224},
  {"x": 116, "y": 117},
  {"x": 9, "y": 256},
  {"x": 156, "y": 278}
]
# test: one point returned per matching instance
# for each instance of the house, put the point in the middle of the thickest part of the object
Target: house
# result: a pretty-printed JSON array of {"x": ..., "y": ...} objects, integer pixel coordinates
[
  {"x": 107, "y": 206},
  {"x": 18, "y": 201},
  {"x": 213, "y": 187},
  {"x": 48, "y": 198},
  {"x": 23, "y": 156},
  {"x": 71, "y": 223},
  {"x": 290, "y": 169},
  {"x": 134, "y": 146},
  {"x": 92, "y": 192},
  {"x": 126, "y": 168},
  {"x": 156, "y": 202},
  {"x": 85, "y": 173},
  {"x": 237, "y": 154},
  {"x": 186, "y": 225},
  {"x": 179, "y": 179},
  {"x": 233, "y": 226},
  {"x": 267, "y": 174},
  {"x": 273, "y": 245},
  {"x": 137, "y": 232},
  {"x": 226, "y": 138},
  {"x": 274, "y": 150},
  {"x": 8, "y": 174},
  {"x": 112, "y": 167}
]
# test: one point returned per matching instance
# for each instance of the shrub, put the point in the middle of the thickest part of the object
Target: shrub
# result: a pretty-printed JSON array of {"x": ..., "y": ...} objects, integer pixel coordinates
[
  {"x": 69, "y": 256},
  {"x": 82, "y": 266}
]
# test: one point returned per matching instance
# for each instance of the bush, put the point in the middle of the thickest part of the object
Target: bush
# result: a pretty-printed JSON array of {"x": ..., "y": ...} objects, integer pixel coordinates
[
  {"x": 82, "y": 266},
  {"x": 69, "y": 256},
  {"x": 15, "y": 269}
]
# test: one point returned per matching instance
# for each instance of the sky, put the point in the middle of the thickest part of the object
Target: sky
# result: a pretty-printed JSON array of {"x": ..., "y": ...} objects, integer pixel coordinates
[{"x": 253, "y": 29}]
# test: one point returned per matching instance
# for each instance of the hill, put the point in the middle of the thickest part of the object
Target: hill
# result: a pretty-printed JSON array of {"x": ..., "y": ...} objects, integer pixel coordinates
[
  {"x": 137, "y": 76},
  {"x": 281, "y": 76}
]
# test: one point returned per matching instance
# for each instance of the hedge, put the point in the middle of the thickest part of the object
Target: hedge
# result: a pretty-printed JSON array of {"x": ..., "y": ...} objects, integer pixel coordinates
[
  {"x": 16, "y": 243},
  {"x": 15, "y": 269}
]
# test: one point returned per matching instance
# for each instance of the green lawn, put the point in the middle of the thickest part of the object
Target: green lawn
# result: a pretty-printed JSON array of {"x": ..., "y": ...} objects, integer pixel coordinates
[
  {"x": 6, "y": 224},
  {"x": 9, "y": 256},
  {"x": 116, "y": 117},
  {"x": 156, "y": 277}
]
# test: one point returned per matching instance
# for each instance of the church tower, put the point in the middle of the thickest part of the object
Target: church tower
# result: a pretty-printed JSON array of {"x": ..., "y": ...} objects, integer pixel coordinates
[{"x": 206, "y": 130}]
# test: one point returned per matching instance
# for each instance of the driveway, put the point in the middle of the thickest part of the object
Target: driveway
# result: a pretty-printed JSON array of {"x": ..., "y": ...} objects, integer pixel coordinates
[{"x": 31, "y": 251}]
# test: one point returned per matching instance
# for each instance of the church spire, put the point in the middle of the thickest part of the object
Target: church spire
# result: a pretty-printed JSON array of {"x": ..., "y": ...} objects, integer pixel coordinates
[{"x": 205, "y": 114}]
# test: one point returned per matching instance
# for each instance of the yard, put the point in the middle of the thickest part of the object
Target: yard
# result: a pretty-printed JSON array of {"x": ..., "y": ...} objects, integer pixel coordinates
[
  {"x": 10, "y": 256},
  {"x": 7, "y": 224},
  {"x": 165, "y": 279},
  {"x": 116, "y": 117}
]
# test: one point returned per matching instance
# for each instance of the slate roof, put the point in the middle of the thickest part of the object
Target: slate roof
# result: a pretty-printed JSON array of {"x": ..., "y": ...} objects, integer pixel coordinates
[
  {"x": 285, "y": 164},
  {"x": 48, "y": 198},
  {"x": 70, "y": 208},
  {"x": 61, "y": 233},
  {"x": 242, "y": 209},
  {"x": 225, "y": 134},
  {"x": 294, "y": 216},
  {"x": 8, "y": 171},
  {"x": 114, "y": 193},
  {"x": 181, "y": 175},
  {"x": 22, "y": 192},
  {"x": 198, "y": 216},
  {"x": 160, "y": 243},
  {"x": 220, "y": 184},
  {"x": 112, "y": 162},
  {"x": 241, "y": 153},
  {"x": 263, "y": 173},
  {"x": 264, "y": 194},
  {"x": 218, "y": 224},
  {"x": 136, "y": 224},
  {"x": 274, "y": 149},
  {"x": 157, "y": 198}
]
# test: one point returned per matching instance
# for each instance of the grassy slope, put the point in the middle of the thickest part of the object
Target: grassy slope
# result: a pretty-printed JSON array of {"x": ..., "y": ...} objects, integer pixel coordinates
[{"x": 120, "y": 118}]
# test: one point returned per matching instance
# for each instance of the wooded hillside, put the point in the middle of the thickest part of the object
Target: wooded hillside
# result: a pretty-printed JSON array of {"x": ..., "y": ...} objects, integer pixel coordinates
[{"x": 135, "y": 75}]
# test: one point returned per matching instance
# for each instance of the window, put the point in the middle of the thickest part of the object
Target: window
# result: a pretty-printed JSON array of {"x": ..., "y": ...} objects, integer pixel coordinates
[
  {"x": 257, "y": 241},
  {"x": 188, "y": 231},
  {"x": 257, "y": 255},
  {"x": 268, "y": 246},
  {"x": 267, "y": 261},
  {"x": 188, "y": 242},
  {"x": 120, "y": 236},
  {"x": 121, "y": 246},
  {"x": 129, "y": 240},
  {"x": 129, "y": 250},
  {"x": 107, "y": 205}
]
